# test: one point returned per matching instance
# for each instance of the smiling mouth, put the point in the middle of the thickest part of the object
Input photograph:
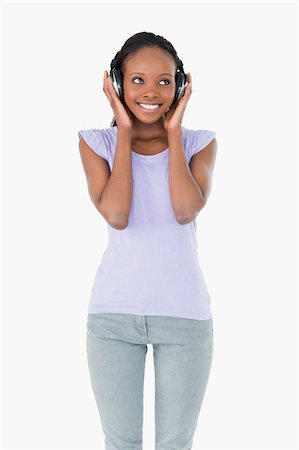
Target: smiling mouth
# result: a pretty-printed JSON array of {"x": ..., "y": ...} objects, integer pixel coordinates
[{"x": 149, "y": 106}]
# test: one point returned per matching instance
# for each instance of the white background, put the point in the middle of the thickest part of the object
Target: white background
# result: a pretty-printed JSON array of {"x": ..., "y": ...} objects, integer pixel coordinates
[{"x": 243, "y": 61}]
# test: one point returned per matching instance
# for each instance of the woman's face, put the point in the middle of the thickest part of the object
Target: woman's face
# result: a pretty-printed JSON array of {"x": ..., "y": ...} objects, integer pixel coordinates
[{"x": 149, "y": 78}]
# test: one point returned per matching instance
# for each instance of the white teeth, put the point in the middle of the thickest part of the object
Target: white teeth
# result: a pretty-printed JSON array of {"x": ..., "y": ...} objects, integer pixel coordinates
[{"x": 144, "y": 105}]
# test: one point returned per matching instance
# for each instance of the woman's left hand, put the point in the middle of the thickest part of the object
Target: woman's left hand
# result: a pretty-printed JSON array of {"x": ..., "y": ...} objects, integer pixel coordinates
[{"x": 174, "y": 116}]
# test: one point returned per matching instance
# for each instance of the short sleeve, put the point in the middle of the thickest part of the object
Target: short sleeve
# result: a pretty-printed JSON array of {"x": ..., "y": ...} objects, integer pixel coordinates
[
  {"x": 198, "y": 140},
  {"x": 94, "y": 139}
]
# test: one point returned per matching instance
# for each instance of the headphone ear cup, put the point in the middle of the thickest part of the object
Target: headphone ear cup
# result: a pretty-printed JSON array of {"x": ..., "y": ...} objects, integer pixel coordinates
[
  {"x": 117, "y": 81},
  {"x": 180, "y": 81}
]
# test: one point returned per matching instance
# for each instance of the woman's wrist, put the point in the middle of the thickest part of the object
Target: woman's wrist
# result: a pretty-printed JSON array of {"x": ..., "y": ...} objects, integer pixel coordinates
[
  {"x": 174, "y": 131},
  {"x": 124, "y": 129}
]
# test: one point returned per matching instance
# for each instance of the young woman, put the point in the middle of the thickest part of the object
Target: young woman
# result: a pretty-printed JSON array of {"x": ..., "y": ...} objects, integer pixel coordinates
[{"x": 149, "y": 177}]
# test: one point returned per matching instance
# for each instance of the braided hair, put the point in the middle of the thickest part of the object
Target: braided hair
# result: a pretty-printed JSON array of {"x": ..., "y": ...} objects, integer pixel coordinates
[{"x": 141, "y": 40}]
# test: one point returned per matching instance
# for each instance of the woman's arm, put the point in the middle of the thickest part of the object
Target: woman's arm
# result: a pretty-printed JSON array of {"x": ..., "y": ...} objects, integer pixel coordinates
[
  {"x": 189, "y": 186},
  {"x": 116, "y": 199},
  {"x": 110, "y": 192}
]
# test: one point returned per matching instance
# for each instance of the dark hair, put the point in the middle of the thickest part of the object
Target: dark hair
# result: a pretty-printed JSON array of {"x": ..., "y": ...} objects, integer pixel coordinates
[{"x": 141, "y": 40}]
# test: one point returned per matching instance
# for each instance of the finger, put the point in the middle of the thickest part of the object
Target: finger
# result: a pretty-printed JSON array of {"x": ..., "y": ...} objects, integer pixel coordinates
[
  {"x": 187, "y": 91},
  {"x": 190, "y": 82},
  {"x": 111, "y": 88},
  {"x": 105, "y": 84},
  {"x": 108, "y": 83},
  {"x": 106, "y": 77},
  {"x": 107, "y": 92}
]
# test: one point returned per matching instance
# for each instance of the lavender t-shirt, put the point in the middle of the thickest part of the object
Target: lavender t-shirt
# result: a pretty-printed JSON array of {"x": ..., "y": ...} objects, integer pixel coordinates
[{"x": 151, "y": 267}]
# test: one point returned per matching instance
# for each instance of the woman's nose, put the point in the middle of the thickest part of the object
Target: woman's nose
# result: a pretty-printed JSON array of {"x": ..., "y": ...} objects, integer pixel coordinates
[
  {"x": 150, "y": 91},
  {"x": 150, "y": 95}
]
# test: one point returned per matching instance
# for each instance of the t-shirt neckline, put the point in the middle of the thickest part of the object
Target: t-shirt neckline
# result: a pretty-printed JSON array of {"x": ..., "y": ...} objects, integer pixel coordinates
[
  {"x": 141, "y": 155},
  {"x": 154, "y": 155}
]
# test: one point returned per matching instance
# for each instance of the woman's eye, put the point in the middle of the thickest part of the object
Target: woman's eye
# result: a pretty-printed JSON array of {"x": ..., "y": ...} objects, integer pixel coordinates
[
  {"x": 166, "y": 80},
  {"x": 138, "y": 78}
]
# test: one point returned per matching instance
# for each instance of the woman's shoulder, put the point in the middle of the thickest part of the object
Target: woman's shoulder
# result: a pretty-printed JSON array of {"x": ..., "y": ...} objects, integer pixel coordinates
[
  {"x": 101, "y": 140},
  {"x": 197, "y": 133},
  {"x": 194, "y": 131},
  {"x": 99, "y": 131},
  {"x": 99, "y": 135},
  {"x": 196, "y": 139}
]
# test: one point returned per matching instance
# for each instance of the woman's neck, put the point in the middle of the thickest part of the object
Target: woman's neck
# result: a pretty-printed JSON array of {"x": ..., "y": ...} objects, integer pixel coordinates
[{"x": 144, "y": 132}]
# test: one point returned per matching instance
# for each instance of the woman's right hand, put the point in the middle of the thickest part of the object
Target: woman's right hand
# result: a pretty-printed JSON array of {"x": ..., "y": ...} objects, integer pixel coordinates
[{"x": 123, "y": 116}]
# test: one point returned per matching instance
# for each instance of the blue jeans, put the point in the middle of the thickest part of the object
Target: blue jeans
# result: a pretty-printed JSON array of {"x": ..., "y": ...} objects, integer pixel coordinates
[{"x": 182, "y": 352}]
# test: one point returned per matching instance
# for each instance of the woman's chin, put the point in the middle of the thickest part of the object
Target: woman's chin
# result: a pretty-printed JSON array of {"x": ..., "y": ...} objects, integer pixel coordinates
[{"x": 150, "y": 120}]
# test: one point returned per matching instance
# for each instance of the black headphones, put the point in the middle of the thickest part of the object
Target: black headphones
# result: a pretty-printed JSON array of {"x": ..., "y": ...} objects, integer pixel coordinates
[{"x": 117, "y": 80}]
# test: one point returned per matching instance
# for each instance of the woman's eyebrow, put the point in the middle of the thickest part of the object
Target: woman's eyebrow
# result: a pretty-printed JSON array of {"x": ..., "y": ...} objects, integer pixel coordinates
[{"x": 141, "y": 73}]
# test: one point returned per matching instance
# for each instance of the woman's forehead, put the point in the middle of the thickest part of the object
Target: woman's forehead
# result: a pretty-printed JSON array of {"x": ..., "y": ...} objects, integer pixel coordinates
[{"x": 150, "y": 60}]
